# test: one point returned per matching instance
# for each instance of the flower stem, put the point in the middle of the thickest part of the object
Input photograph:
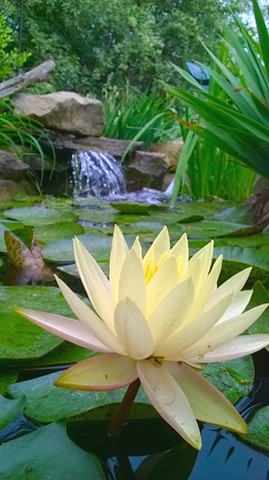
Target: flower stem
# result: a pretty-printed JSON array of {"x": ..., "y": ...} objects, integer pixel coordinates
[{"x": 127, "y": 401}]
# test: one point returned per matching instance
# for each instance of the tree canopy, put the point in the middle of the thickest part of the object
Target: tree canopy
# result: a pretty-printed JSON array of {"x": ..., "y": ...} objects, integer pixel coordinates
[{"x": 101, "y": 44}]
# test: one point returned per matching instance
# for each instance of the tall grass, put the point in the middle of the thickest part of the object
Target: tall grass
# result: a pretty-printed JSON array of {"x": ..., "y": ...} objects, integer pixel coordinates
[
  {"x": 126, "y": 115},
  {"x": 23, "y": 136}
]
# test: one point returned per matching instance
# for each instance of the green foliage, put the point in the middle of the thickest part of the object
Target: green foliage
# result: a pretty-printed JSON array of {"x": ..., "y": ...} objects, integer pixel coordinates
[
  {"x": 10, "y": 57},
  {"x": 127, "y": 114},
  {"x": 111, "y": 43},
  {"x": 236, "y": 120},
  {"x": 22, "y": 136}
]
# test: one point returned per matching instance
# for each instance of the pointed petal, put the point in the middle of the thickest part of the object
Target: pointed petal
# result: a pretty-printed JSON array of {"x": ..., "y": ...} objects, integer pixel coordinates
[
  {"x": 95, "y": 283},
  {"x": 205, "y": 292},
  {"x": 132, "y": 281},
  {"x": 235, "y": 283},
  {"x": 66, "y": 328},
  {"x": 223, "y": 333},
  {"x": 181, "y": 249},
  {"x": 207, "y": 402},
  {"x": 94, "y": 324},
  {"x": 164, "y": 280},
  {"x": 172, "y": 310},
  {"x": 119, "y": 250},
  {"x": 102, "y": 372},
  {"x": 132, "y": 329},
  {"x": 137, "y": 248},
  {"x": 236, "y": 348},
  {"x": 237, "y": 305},
  {"x": 200, "y": 263},
  {"x": 169, "y": 400},
  {"x": 160, "y": 245},
  {"x": 186, "y": 336}
]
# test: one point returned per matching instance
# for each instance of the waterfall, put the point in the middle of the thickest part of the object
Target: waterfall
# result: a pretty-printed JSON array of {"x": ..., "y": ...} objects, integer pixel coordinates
[{"x": 98, "y": 174}]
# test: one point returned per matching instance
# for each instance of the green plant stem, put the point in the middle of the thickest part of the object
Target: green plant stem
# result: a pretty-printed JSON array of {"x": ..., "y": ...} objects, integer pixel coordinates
[{"x": 127, "y": 401}]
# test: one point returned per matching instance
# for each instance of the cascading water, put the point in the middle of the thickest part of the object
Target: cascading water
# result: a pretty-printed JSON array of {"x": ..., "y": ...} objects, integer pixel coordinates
[
  {"x": 101, "y": 175},
  {"x": 98, "y": 174}
]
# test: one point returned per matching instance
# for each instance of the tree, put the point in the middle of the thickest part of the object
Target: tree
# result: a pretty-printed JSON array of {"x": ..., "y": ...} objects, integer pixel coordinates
[{"x": 104, "y": 43}]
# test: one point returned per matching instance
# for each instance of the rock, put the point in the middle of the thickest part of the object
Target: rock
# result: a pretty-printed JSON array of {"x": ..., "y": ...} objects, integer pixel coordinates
[
  {"x": 62, "y": 111},
  {"x": 146, "y": 169},
  {"x": 11, "y": 167},
  {"x": 172, "y": 150},
  {"x": 9, "y": 188}
]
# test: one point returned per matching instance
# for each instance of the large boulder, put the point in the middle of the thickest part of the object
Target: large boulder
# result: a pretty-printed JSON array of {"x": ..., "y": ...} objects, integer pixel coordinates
[
  {"x": 11, "y": 167},
  {"x": 63, "y": 111}
]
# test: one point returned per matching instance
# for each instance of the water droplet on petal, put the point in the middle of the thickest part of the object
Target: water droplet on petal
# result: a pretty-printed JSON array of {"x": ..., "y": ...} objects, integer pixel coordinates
[{"x": 165, "y": 394}]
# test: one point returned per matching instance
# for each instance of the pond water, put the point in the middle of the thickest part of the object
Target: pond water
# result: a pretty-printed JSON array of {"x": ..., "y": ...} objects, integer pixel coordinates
[{"x": 41, "y": 422}]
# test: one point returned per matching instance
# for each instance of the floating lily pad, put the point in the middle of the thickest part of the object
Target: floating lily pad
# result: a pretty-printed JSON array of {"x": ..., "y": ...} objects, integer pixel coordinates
[
  {"x": 248, "y": 256},
  {"x": 233, "y": 378},
  {"x": 259, "y": 296},
  {"x": 47, "y": 403},
  {"x": 259, "y": 429},
  {"x": 39, "y": 215},
  {"x": 20, "y": 339},
  {"x": 51, "y": 233},
  {"x": 62, "y": 250},
  {"x": 47, "y": 453},
  {"x": 6, "y": 378},
  {"x": 134, "y": 208},
  {"x": 10, "y": 409}
]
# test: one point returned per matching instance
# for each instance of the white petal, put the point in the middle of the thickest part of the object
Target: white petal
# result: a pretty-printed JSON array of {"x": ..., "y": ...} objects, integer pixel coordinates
[
  {"x": 207, "y": 402},
  {"x": 133, "y": 331},
  {"x": 205, "y": 292},
  {"x": 223, "y": 333},
  {"x": 172, "y": 310},
  {"x": 160, "y": 245},
  {"x": 66, "y": 328},
  {"x": 169, "y": 400},
  {"x": 102, "y": 372},
  {"x": 237, "y": 305},
  {"x": 200, "y": 263},
  {"x": 164, "y": 280},
  {"x": 137, "y": 248},
  {"x": 181, "y": 249},
  {"x": 186, "y": 336},
  {"x": 235, "y": 283},
  {"x": 132, "y": 281},
  {"x": 119, "y": 250},
  {"x": 95, "y": 283},
  {"x": 236, "y": 348},
  {"x": 95, "y": 325}
]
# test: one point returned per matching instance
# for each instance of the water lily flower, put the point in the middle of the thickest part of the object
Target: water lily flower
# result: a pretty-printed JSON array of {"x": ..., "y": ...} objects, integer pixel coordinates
[{"x": 156, "y": 318}]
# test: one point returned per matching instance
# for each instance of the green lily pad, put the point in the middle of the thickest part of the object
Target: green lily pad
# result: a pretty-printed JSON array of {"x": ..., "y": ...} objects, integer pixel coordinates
[
  {"x": 237, "y": 259},
  {"x": 10, "y": 409},
  {"x": 6, "y": 378},
  {"x": 20, "y": 339},
  {"x": 62, "y": 250},
  {"x": 259, "y": 429},
  {"x": 134, "y": 208},
  {"x": 65, "y": 354},
  {"x": 39, "y": 215},
  {"x": 259, "y": 296},
  {"x": 51, "y": 233},
  {"x": 47, "y": 453},
  {"x": 47, "y": 403},
  {"x": 233, "y": 378},
  {"x": 247, "y": 256}
]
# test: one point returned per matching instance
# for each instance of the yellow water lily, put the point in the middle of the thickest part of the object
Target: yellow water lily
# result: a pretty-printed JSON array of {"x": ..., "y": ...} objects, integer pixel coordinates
[{"x": 154, "y": 319}]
